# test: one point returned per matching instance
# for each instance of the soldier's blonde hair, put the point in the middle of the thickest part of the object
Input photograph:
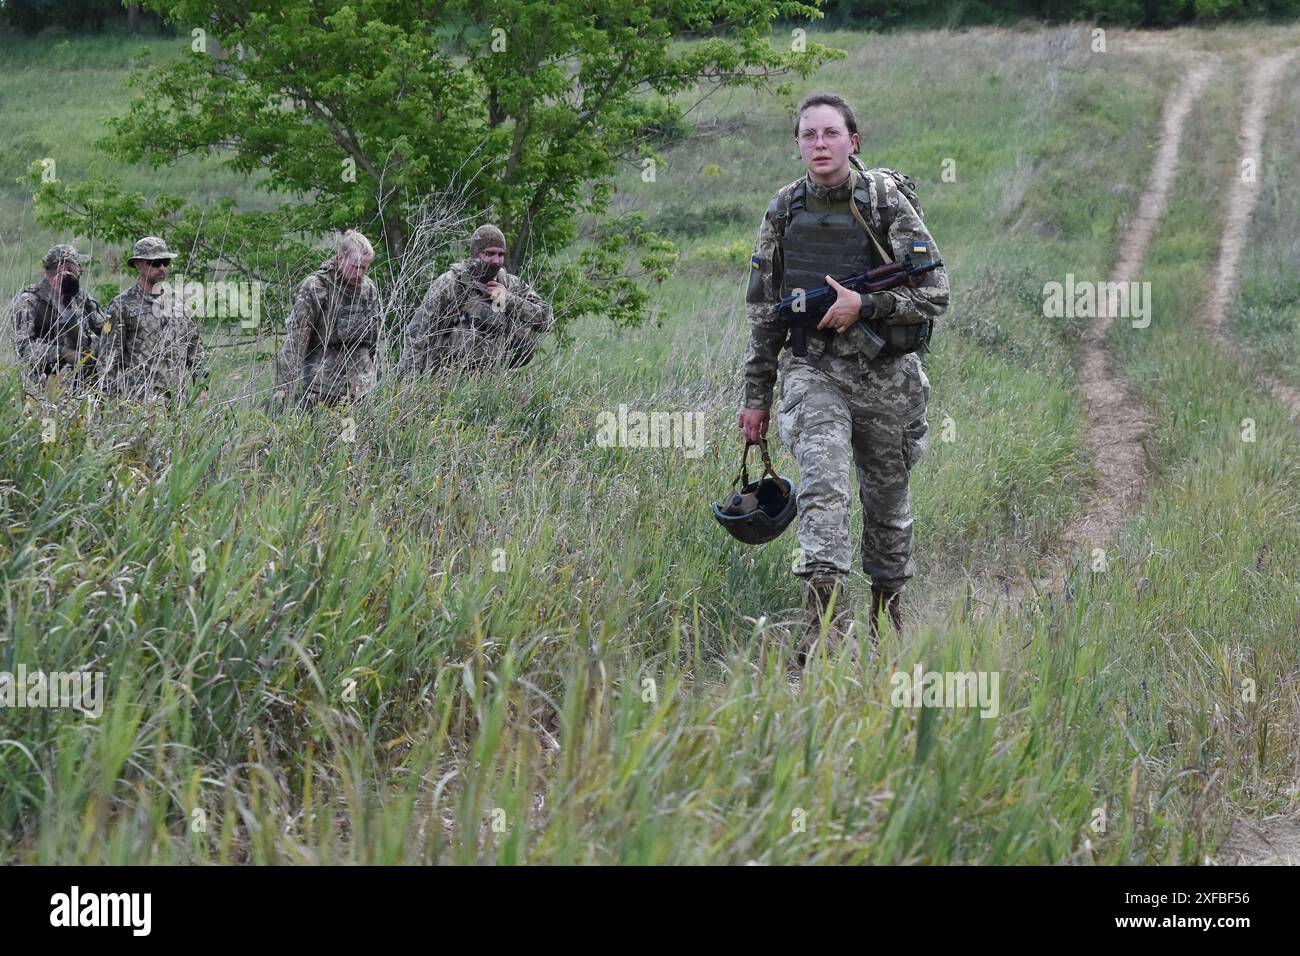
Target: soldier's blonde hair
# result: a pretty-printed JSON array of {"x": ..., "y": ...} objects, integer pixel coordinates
[{"x": 355, "y": 243}]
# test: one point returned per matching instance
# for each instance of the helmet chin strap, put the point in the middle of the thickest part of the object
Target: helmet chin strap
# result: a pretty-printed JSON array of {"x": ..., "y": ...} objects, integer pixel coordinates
[{"x": 757, "y": 512}]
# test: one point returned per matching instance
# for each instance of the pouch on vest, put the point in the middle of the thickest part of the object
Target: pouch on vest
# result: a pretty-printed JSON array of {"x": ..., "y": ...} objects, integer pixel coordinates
[{"x": 866, "y": 341}]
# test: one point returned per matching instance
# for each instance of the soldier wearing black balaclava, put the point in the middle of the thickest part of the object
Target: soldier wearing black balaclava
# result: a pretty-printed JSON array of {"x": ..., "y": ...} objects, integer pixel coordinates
[{"x": 54, "y": 323}]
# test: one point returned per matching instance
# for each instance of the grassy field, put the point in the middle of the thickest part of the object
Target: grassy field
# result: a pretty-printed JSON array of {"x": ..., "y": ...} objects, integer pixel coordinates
[
  {"x": 1222, "y": 527},
  {"x": 474, "y": 635}
]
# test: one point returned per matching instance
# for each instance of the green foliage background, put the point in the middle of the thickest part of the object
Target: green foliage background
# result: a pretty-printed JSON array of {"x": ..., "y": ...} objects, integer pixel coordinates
[{"x": 33, "y": 15}]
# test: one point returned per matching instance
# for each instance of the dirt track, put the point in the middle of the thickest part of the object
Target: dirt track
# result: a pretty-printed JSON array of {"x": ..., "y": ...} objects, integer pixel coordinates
[
  {"x": 1241, "y": 207},
  {"x": 1117, "y": 424},
  {"x": 1274, "y": 841}
]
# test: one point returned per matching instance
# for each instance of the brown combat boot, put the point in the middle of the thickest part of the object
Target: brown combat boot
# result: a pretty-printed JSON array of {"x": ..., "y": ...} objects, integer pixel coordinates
[
  {"x": 820, "y": 593},
  {"x": 880, "y": 600}
]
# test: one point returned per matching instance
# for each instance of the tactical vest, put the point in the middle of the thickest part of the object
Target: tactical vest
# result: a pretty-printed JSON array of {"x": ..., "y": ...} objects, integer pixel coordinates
[
  {"x": 63, "y": 325},
  {"x": 53, "y": 322},
  {"x": 828, "y": 239},
  {"x": 821, "y": 240},
  {"x": 350, "y": 317}
]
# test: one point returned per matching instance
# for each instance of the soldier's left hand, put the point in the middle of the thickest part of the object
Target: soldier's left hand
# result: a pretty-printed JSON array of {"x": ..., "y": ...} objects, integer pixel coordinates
[{"x": 844, "y": 311}]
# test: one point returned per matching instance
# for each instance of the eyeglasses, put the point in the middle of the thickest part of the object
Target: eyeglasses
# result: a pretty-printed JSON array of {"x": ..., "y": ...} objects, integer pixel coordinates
[
  {"x": 831, "y": 136},
  {"x": 159, "y": 263}
]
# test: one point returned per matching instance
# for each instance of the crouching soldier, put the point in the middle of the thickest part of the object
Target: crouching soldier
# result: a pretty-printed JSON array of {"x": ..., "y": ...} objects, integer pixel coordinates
[
  {"x": 476, "y": 315},
  {"x": 328, "y": 354},
  {"x": 55, "y": 325},
  {"x": 151, "y": 349}
]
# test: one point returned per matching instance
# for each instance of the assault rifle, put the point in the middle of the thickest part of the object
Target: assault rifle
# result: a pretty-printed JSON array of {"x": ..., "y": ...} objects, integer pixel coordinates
[{"x": 803, "y": 310}]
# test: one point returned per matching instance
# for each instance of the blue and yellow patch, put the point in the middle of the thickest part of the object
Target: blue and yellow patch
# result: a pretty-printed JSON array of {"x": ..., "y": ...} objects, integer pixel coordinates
[
  {"x": 756, "y": 262},
  {"x": 920, "y": 247}
]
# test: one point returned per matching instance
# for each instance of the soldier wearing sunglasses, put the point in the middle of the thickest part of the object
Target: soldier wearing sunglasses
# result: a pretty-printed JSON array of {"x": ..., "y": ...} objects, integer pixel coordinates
[{"x": 150, "y": 349}]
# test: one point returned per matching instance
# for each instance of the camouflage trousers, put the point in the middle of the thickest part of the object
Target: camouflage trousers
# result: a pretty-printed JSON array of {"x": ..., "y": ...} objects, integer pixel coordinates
[{"x": 841, "y": 412}]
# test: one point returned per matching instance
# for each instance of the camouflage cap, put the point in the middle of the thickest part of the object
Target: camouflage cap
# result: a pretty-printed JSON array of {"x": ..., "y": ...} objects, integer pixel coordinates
[
  {"x": 484, "y": 236},
  {"x": 63, "y": 252},
  {"x": 150, "y": 247}
]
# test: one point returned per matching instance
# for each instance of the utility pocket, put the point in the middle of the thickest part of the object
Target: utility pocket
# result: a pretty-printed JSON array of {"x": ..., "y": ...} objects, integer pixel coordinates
[
  {"x": 755, "y": 292},
  {"x": 916, "y": 430},
  {"x": 815, "y": 343},
  {"x": 916, "y": 438}
]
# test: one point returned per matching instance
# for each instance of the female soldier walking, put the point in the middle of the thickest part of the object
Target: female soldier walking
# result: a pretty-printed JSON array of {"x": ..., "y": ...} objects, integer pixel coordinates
[{"x": 840, "y": 405}]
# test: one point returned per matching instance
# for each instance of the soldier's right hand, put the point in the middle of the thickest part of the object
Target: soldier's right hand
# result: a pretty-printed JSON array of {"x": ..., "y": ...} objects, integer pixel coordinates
[{"x": 753, "y": 423}]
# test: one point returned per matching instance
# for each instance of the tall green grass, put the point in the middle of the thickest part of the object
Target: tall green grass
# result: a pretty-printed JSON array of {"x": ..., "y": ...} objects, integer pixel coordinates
[{"x": 1199, "y": 582}]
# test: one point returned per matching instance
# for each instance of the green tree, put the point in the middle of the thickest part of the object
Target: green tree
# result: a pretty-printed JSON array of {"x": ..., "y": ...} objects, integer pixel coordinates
[{"x": 357, "y": 112}]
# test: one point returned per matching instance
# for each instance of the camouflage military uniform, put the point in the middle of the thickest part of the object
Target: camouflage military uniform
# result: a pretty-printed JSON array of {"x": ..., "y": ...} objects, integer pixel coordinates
[
  {"x": 50, "y": 336},
  {"x": 330, "y": 339},
  {"x": 151, "y": 346},
  {"x": 841, "y": 410},
  {"x": 457, "y": 326}
]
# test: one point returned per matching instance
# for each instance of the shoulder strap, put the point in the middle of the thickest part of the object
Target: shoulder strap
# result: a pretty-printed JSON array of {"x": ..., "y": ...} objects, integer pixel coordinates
[
  {"x": 784, "y": 204},
  {"x": 860, "y": 198},
  {"x": 797, "y": 196},
  {"x": 883, "y": 208}
]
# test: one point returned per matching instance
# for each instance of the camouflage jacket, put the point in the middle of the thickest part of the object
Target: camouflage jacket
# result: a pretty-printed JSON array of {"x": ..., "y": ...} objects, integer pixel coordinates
[
  {"x": 328, "y": 353},
  {"x": 457, "y": 326},
  {"x": 151, "y": 346},
  {"x": 926, "y": 302},
  {"x": 49, "y": 336}
]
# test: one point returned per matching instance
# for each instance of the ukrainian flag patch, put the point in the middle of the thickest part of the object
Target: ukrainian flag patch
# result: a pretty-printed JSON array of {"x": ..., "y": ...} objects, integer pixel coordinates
[
  {"x": 756, "y": 262},
  {"x": 920, "y": 247}
]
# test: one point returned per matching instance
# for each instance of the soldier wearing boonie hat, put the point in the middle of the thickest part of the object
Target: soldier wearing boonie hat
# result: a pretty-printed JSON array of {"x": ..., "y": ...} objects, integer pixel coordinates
[
  {"x": 54, "y": 324},
  {"x": 150, "y": 247},
  {"x": 151, "y": 347}
]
